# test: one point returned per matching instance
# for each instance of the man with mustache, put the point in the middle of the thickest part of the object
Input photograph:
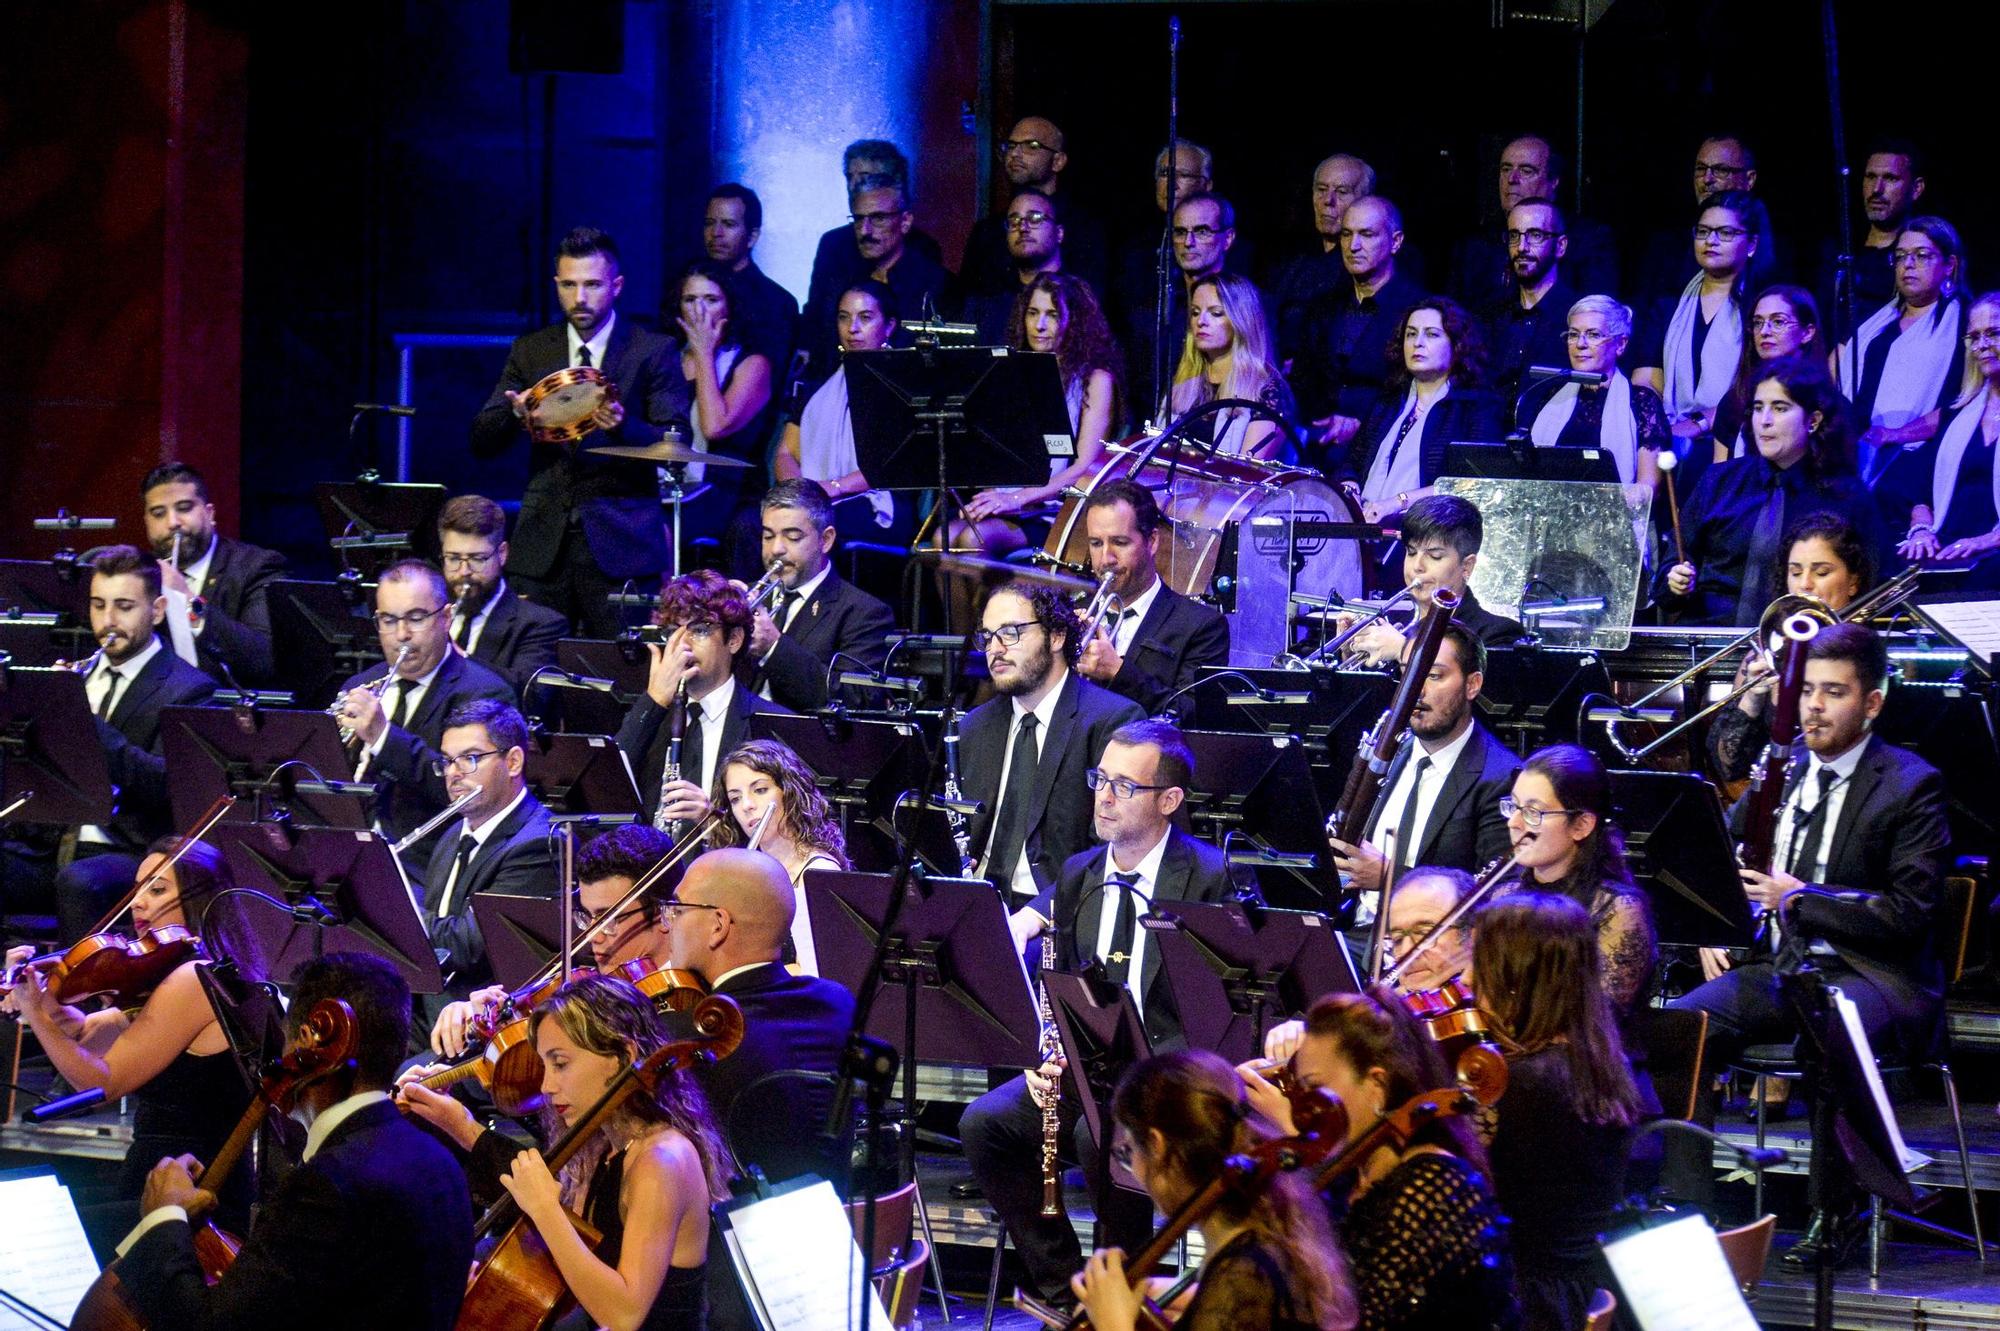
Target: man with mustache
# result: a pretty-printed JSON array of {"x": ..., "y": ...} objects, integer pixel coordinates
[
  {"x": 820, "y": 618},
  {"x": 226, "y": 583},
  {"x": 490, "y": 622}
]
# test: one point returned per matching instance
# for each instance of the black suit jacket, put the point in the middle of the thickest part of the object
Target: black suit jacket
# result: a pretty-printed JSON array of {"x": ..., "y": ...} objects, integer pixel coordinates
[
  {"x": 1060, "y": 821},
  {"x": 132, "y": 748},
  {"x": 1464, "y": 415},
  {"x": 407, "y": 791},
  {"x": 519, "y": 638},
  {"x": 236, "y": 630},
  {"x": 1190, "y": 870},
  {"x": 1885, "y": 871},
  {"x": 840, "y": 617},
  {"x": 1491, "y": 629},
  {"x": 1465, "y": 829},
  {"x": 375, "y": 1230},
  {"x": 646, "y": 734},
  {"x": 514, "y": 860},
  {"x": 617, "y": 502},
  {"x": 1176, "y": 639}
]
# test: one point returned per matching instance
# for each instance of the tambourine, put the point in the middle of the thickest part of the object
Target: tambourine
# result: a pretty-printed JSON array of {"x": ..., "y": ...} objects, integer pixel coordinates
[{"x": 561, "y": 404}]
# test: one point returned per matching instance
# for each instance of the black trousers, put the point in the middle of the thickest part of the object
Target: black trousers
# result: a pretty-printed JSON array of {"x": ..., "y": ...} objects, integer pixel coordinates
[
  {"x": 1002, "y": 1134},
  {"x": 578, "y": 588},
  {"x": 90, "y": 886}
]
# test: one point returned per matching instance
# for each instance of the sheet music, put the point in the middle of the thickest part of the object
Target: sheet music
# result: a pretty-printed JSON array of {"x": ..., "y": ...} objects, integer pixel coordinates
[
  {"x": 1975, "y": 624},
  {"x": 795, "y": 1253},
  {"x": 178, "y": 631},
  {"x": 1673, "y": 1277},
  {"x": 1850, "y": 1017},
  {"x": 45, "y": 1260}
]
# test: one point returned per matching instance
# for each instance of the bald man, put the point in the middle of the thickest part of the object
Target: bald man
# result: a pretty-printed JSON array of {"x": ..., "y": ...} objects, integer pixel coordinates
[{"x": 1033, "y": 156}]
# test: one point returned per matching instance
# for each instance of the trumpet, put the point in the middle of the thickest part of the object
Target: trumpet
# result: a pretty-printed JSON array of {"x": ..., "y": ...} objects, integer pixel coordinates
[
  {"x": 378, "y": 687},
  {"x": 1104, "y": 603},
  {"x": 767, "y": 591}
]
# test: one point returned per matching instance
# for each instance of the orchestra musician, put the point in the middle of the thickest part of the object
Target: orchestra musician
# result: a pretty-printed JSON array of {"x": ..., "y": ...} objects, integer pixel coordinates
[
  {"x": 503, "y": 631},
  {"x": 1137, "y": 785},
  {"x": 803, "y": 833},
  {"x": 1425, "y": 1240},
  {"x": 1418, "y": 903},
  {"x": 372, "y": 1228},
  {"x": 588, "y": 523},
  {"x": 227, "y": 582},
  {"x": 821, "y": 622},
  {"x": 170, "y": 1054},
  {"x": 1160, "y": 641},
  {"x": 1441, "y": 538},
  {"x": 1271, "y": 1263}
]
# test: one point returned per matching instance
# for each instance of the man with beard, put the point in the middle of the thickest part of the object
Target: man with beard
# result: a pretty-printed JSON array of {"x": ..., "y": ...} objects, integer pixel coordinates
[
  {"x": 510, "y": 635},
  {"x": 1023, "y": 754},
  {"x": 1892, "y": 180},
  {"x": 226, "y": 583},
  {"x": 1159, "y": 641},
  {"x": 1525, "y": 327},
  {"x": 769, "y": 317},
  {"x": 1035, "y": 245},
  {"x": 821, "y": 618},
  {"x": 1530, "y": 168},
  {"x": 1440, "y": 800},
  {"x": 884, "y": 249}
]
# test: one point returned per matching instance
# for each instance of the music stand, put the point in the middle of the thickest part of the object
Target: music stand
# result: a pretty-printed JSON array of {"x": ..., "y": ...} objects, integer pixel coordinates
[
  {"x": 321, "y": 636},
  {"x": 1341, "y": 706},
  {"x": 1522, "y": 460},
  {"x": 1258, "y": 789},
  {"x": 999, "y": 414},
  {"x": 49, "y": 745},
  {"x": 1102, "y": 1035},
  {"x": 371, "y": 524},
  {"x": 1235, "y": 970},
  {"x": 346, "y": 892},
  {"x": 588, "y": 712},
  {"x": 217, "y": 751},
  {"x": 864, "y": 767},
  {"x": 522, "y": 933},
  {"x": 583, "y": 774},
  {"x": 1534, "y": 695},
  {"x": 1680, "y": 851},
  {"x": 45, "y": 587}
]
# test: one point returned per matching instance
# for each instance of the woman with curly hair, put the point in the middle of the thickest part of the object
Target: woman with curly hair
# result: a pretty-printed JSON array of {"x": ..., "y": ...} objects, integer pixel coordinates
[
  {"x": 1435, "y": 393},
  {"x": 802, "y": 833},
  {"x": 1227, "y": 354}
]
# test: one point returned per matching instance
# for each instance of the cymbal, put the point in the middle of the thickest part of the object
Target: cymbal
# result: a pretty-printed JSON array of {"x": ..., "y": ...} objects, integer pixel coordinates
[
  {"x": 664, "y": 452},
  {"x": 971, "y": 565}
]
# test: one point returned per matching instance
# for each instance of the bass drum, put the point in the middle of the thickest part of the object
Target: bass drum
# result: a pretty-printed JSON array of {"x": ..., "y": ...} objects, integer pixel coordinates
[{"x": 1205, "y": 498}]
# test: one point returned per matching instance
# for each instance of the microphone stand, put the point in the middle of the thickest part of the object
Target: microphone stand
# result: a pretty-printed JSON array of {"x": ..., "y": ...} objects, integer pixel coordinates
[
  {"x": 1843, "y": 260},
  {"x": 1163, "y": 259}
]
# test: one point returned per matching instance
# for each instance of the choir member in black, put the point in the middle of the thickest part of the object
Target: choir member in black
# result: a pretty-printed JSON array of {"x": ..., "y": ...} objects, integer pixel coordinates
[
  {"x": 1142, "y": 254},
  {"x": 1440, "y": 799},
  {"x": 882, "y": 243},
  {"x": 1905, "y": 360},
  {"x": 398, "y": 728},
  {"x": 227, "y": 582},
  {"x": 837, "y": 263},
  {"x": 500, "y": 842},
  {"x": 822, "y": 623},
  {"x": 1336, "y": 182},
  {"x": 1425, "y": 1239},
  {"x": 1624, "y": 419},
  {"x": 707, "y": 624},
  {"x": 1441, "y": 539},
  {"x": 1159, "y": 641},
  {"x": 170, "y": 1054},
  {"x": 1724, "y": 160},
  {"x": 1022, "y": 754},
  {"x": 768, "y": 321},
  {"x": 1892, "y": 182},
  {"x": 1784, "y": 321},
  {"x": 1734, "y": 521},
  {"x": 1033, "y": 158},
  {"x": 1435, "y": 395},
  {"x": 1337, "y": 367},
  {"x": 1035, "y": 245},
  {"x": 1948, "y": 486},
  {"x": 1530, "y": 168},
  {"x": 1525, "y": 325},
  {"x": 816, "y": 442},
  {"x": 490, "y": 622},
  {"x": 372, "y": 1228},
  {"x": 588, "y": 524},
  {"x": 1857, "y": 878},
  {"x": 136, "y": 676},
  {"x": 1137, "y": 785},
  {"x": 1271, "y": 1263},
  {"x": 731, "y": 385},
  {"x": 801, "y": 831},
  {"x": 1558, "y": 1152},
  {"x": 1228, "y": 354}
]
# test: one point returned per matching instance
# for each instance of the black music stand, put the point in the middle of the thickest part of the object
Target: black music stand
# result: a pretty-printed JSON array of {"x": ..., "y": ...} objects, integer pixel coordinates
[
  {"x": 1236, "y": 970},
  {"x": 217, "y": 751},
  {"x": 371, "y": 524},
  {"x": 864, "y": 767},
  {"x": 522, "y": 933},
  {"x": 49, "y": 745},
  {"x": 321, "y": 636},
  {"x": 587, "y": 712},
  {"x": 1256, "y": 791},
  {"x": 1102, "y": 1035},
  {"x": 1521, "y": 460},
  {"x": 999, "y": 415},
  {"x": 1341, "y": 705},
  {"x": 1681, "y": 852},
  {"x": 45, "y": 587},
  {"x": 346, "y": 893},
  {"x": 1534, "y": 696},
  {"x": 583, "y": 774}
]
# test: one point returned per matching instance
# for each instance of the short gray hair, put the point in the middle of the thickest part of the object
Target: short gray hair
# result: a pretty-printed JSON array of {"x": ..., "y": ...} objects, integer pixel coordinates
[
  {"x": 1203, "y": 155},
  {"x": 1617, "y": 317},
  {"x": 1367, "y": 171}
]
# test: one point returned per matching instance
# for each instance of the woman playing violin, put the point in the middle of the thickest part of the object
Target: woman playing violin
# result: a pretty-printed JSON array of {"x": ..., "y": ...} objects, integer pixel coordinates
[
  {"x": 645, "y": 1182},
  {"x": 171, "y": 1055},
  {"x": 1426, "y": 1239},
  {"x": 1271, "y": 1260},
  {"x": 802, "y": 833}
]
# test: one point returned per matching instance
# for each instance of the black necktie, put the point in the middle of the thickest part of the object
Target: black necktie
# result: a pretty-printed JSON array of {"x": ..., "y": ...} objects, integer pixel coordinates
[
  {"x": 467, "y": 845},
  {"x": 1406, "y": 854},
  {"x": 788, "y": 609},
  {"x": 464, "y": 635},
  {"x": 583, "y": 355},
  {"x": 110, "y": 697},
  {"x": 1124, "y": 926},
  {"x": 691, "y": 745},
  {"x": 1010, "y": 823},
  {"x": 1760, "y": 565},
  {"x": 1805, "y": 850},
  {"x": 400, "y": 713}
]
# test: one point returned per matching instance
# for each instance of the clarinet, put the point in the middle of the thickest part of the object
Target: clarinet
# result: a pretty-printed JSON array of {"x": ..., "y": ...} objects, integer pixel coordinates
[
  {"x": 671, "y": 772},
  {"x": 1051, "y": 1050},
  {"x": 961, "y": 830}
]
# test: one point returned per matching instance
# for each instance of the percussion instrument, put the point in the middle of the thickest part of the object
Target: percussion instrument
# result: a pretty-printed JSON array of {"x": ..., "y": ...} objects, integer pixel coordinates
[
  {"x": 561, "y": 405},
  {"x": 666, "y": 452}
]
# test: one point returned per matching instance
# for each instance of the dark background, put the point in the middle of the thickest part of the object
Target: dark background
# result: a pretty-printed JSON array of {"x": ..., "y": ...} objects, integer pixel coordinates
[{"x": 217, "y": 211}]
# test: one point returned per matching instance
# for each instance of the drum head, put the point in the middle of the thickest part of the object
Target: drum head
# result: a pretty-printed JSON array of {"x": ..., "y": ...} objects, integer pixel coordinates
[{"x": 562, "y": 403}]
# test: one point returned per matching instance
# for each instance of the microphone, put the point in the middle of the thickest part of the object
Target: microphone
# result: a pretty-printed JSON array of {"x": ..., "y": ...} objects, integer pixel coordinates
[
  {"x": 63, "y": 1108},
  {"x": 392, "y": 408},
  {"x": 1542, "y": 374}
]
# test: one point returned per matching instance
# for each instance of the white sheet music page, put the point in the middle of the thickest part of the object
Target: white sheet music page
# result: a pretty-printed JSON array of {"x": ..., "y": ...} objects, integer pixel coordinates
[
  {"x": 1976, "y": 624},
  {"x": 45, "y": 1260},
  {"x": 1674, "y": 1277},
  {"x": 800, "y": 1266}
]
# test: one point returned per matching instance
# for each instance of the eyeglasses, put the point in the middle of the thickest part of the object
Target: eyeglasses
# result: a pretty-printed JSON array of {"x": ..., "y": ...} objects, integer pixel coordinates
[
  {"x": 1022, "y": 221},
  {"x": 1586, "y": 337},
  {"x": 1531, "y": 817},
  {"x": 1980, "y": 337},
  {"x": 1413, "y": 935},
  {"x": 1008, "y": 634},
  {"x": 1199, "y": 234},
  {"x": 1160, "y": 173},
  {"x": 416, "y": 619},
  {"x": 583, "y": 919},
  {"x": 1718, "y": 170},
  {"x": 1922, "y": 258},
  {"x": 873, "y": 220},
  {"x": 673, "y": 905},
  {"x": 1720, "y": 232},
  {"x": 467, "y": 762},
  {"x": 1534, "y": 235},
  {"x": 1123, "y": 788},
  {"x": 471, "y": 561},
  {"x": 700, "y": 628},
  {"x": 1008, "y": 147},
  {"x": 1776, "y": 323}
]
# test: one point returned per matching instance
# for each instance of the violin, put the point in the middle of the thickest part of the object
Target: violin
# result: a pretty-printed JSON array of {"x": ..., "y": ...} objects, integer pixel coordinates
[
  {"x": 110, "y": 965},
  {"x": 672, "y": 988},
  {"x": 518, "y": 1287},
  {"x": 323, "y": 1046},
  {"x": 1450, "y": 1015}
]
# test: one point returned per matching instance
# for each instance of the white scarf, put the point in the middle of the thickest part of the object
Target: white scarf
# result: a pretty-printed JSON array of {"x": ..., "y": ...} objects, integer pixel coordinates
[
  {"x": 725, "y": 360},
  {"x": 826, "y": 443},
  {"x": 1913, "y": 375},
  {"x": 1617, "y": 434},
  {"x": 1689, "y": 391},
  {"x": 1961, "y": 434}
]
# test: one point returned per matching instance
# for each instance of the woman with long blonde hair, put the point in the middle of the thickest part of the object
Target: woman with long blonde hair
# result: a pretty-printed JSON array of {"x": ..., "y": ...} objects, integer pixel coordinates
[{"x": 1227, "y": 354}]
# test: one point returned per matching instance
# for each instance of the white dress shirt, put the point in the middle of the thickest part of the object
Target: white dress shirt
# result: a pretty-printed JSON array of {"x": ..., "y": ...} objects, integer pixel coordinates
[
  {"x": 94, "y": 690},
  {"x": 802, "y": 934},
  {"x": 1793, "y": 818},
  {"x": 197, "y": 572},
  {"x": 597, "y": 343},
  {"x": 1024, "y": 874},
  {"x": 480, "y": 836},
  {"x": 479, "y": 620},
  {"x": 1148, "y": 869},
  {"x": 1443, "y": 760},
  {"x": 711, "y": 709},
  {"x": 792, "y": 611},
  {"x": 414, "y": 700},
  {"x": 1130, "y": 617}
]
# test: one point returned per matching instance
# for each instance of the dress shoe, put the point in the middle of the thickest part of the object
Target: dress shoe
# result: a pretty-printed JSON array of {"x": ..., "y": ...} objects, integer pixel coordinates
[
  {"x": 967, "y": 1190},
  {"x": 1839, "y": 1234}
]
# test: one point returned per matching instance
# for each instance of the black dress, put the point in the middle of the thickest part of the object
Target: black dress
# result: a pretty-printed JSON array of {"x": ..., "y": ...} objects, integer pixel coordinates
[
  {"x": 190, "y": 1108},
  {"x": 1246, "y": 1285},
  {"x": 1428, "y": 1248}
]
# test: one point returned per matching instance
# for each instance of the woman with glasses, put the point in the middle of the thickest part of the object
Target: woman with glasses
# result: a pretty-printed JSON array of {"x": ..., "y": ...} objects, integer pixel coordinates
[
  {"x": 1784, "y": 321},
  {"x": 1624, "y": 419},
  {"x": 1905, "y": 360},
  {"x": 1948, "y": 486},
  {"x": 765, "y": 780},
  {"x": 1227, "y": 353},
  {"x": 1435, "y": 394},
  {"x": 732, "y": 387}
]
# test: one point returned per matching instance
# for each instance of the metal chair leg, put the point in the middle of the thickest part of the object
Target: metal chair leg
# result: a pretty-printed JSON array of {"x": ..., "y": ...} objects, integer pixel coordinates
[
  {"x": 993, "y": 1279},
  {"x": 1964, "y": 1158},
  {"x": 1757, "y": 1089},
  {"x": 1878, "y": 1225}
]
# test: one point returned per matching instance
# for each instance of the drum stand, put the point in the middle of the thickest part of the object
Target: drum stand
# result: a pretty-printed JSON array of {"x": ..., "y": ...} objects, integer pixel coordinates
[{"x": 674, "y": 493}]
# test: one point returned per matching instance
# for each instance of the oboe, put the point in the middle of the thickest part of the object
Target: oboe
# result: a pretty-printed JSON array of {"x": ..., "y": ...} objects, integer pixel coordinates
[
  {"x": 676, "y": 732},
  {"x": 1051, "y": 1099}
]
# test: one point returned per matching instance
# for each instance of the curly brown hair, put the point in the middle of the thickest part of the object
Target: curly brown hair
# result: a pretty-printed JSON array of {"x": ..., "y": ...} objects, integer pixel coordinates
[
  {"x": 807, "y": 816},
  {"x": 1085, "y": 344},
  {"x": 700, "y": 597},
  {"x": 1468, "y": 348}
]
